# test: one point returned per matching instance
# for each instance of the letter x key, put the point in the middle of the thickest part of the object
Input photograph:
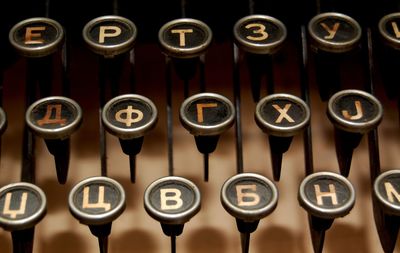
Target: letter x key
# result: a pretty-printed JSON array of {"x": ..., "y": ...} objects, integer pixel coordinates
[
  {"x": 281, "y": 116},
  {"x": 96, "y": 202},
  {"x": 172, "y": 201},
  {"x": 130, "y": 117},
  {"x": 248, "y": 197},
  {"x": 22, "y": 206}
]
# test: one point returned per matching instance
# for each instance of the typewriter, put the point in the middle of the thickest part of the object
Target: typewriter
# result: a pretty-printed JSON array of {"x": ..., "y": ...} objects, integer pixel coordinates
[{"x": 193, "y": 126}]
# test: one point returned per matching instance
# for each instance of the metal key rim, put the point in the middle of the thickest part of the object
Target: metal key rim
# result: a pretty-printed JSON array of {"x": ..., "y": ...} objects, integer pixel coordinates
[
  {"x": 249, "y": 215},
  {"x": 352, "y": 126},
  {"x": 185, "y": 52},
  {"x": 61, "y": 132},
  {"x": 125, "y": 133},
  {"x": 39, "y": 51},
  {"x": 279, "y": 130},
  {"x": 324, "y": 212},
  {"x": 257, "y": 48},
  {"x": 201, "y": 130},
  {"x": 335, "y": 47},
  {"x": 110, "y": 50},
  {"x": 28, "y": 222},
  {"x": 97, "y": 219},
  {"x": 169, "y": 218}
]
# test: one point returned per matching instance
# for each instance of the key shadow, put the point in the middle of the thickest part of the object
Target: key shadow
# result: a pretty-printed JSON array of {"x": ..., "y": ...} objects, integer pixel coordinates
[
  {"x": 134, "y": 240},
  {"x": 345, "y": 238},
  {"x": 276, "y": 239},
  {"x": 5, "y": 241},
  {"x": 65, "y": 242},
  {"x": 206, "y": 240}
]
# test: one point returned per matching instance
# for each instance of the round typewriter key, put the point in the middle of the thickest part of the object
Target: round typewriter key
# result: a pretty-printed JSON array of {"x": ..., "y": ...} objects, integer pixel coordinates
[
  {"x": 37, "y": 37},
  {"x": 110, "y": 35},
  {"x": 22, "y": 206},
  {"x": 54, "y": 117},
  {"x": 354, "y": 111},
  {"x": 249, "y": 196},
  {"x": 282, "y": 114},
  {"x": 97, "y": 200},
  {"x": 334, "y": 32},
  {"x": 184, "y": 38},
  {"x": 389, "y": 29},
  {"x": 129, "y": 116},
  {"x": 386, "y": 189},
  {"x": 207, "y": 114},
  {"x": 172, "y": 200},
  {"x": 259, "y": 34},
  {"x": 326, "y": 195}
]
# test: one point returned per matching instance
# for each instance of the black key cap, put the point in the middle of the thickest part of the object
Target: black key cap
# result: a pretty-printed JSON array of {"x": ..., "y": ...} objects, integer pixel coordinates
[
  {"x": 325, "y": 196},
  {"x": 130, "y": 117},
  {"x": 22, "y": 206},
  {"x": 333, "y": 36},
  {"x": 281, "y": 116},
  {"x": 353, "y": 113},
  {"x": 55, "y": 119},
  {"x": 261, "y": 37},
  {"x": 387, "y": 212},
  {"x": 37, "y": 37},
  {"x": 248, "y": 197},
  {"x": 172, "y": 201},
  {"x": 97, "y": 202},
  {"x": 207, "y": 116},
  {"x": 110, "y": 35}
]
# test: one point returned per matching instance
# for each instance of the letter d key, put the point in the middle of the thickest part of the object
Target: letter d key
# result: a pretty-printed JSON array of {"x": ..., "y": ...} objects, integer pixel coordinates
[{"x": 55, "y": 119}]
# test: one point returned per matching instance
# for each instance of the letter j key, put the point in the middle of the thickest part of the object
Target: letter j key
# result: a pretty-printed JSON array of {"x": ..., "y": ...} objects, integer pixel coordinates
[{"x": 353, "y": 113}]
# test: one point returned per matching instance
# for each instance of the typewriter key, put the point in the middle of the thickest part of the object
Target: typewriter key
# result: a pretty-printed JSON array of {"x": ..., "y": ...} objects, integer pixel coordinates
[
  {"x": 207, "y": 116},
  {"x": 184, "y": 38},
  {"x": 387, "y": 210},
  {"x": 325, "y": 196},
  {"x": 353, "y": 113},
  {"x": 281, "y": 116},
  {"x": 55, "y": 119},
  {"x": 334, "y": 32},
  {"x": 110, "y": 35},
  {"x": 22, "y": 206},
  {"x": 130, "y": 117},
  {"x": 248, "y": 197},
  {"x": 97, "y": 202},
  {"x": 389, "y": 30},
  {"x": 260, "y": 36},
  {"x": 37, "y": 37},
  {"x": 184, "y": 41},
  {"x": 389, "y": 53},
  {"x": 334, "y": 39},
  {"x": 172, "y": 201}
]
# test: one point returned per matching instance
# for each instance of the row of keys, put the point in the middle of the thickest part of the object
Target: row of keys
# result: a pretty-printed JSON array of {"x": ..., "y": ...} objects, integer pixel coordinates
[
  {"x": 189, "y": 38},
  {"x": 173, "y": 201},
  {"x": 206, "y": 116}
]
